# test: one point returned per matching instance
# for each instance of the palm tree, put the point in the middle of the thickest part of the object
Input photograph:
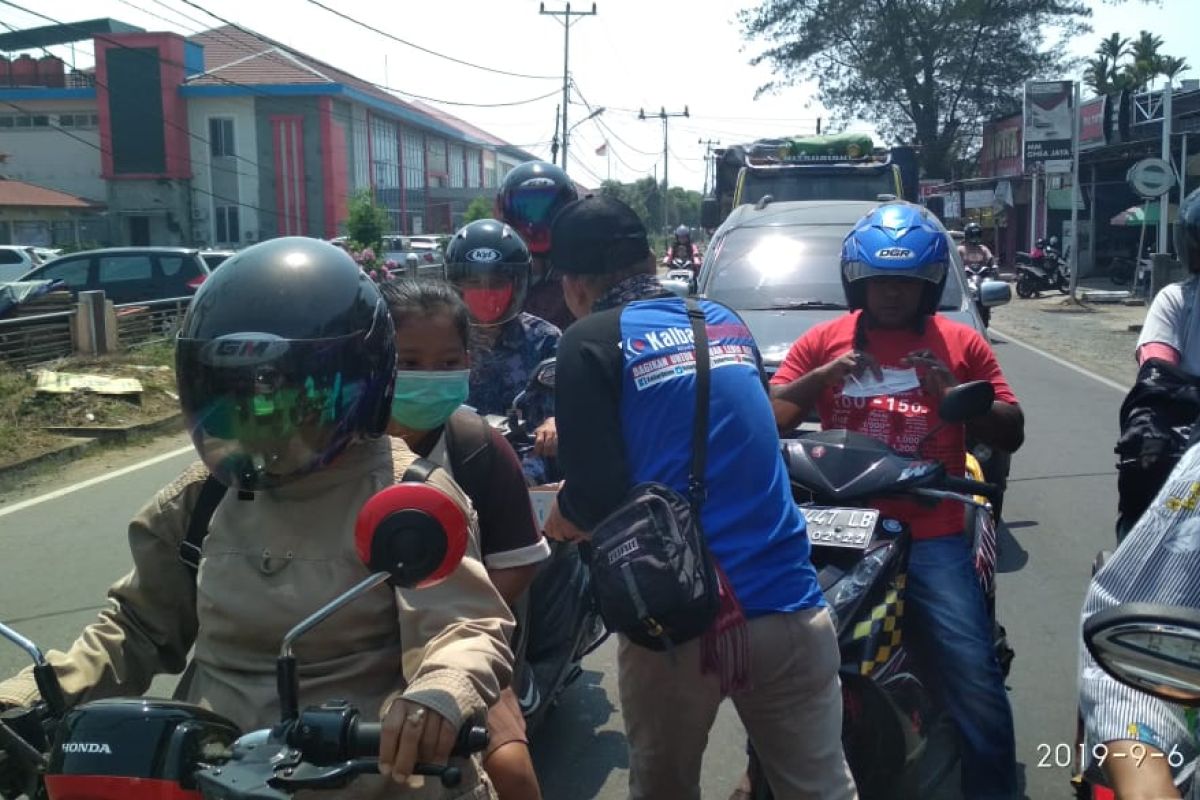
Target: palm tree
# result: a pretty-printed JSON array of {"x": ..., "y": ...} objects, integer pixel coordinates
[
  {"x": 1096, "y": 75},
  {"x": 1147, "y": 58},
  {"x": 1114, "y": 48},
  {"x": 1170, "y": 67}
]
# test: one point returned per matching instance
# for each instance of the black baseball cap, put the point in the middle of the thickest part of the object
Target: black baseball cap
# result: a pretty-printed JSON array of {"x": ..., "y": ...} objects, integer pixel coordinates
[{"x": 597, "y": 235}]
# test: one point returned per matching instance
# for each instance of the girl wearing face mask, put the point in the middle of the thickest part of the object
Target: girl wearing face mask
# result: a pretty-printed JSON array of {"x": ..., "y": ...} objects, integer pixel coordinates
[{"x": 432, "y": 381}]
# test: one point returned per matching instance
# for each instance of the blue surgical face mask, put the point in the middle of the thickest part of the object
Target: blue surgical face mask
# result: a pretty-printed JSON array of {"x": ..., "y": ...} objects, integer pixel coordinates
[{"x": 425, "y": 400}]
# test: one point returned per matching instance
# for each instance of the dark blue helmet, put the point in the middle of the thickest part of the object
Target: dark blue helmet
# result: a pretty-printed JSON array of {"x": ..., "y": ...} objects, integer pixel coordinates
[{"x": 896, "y": 240}]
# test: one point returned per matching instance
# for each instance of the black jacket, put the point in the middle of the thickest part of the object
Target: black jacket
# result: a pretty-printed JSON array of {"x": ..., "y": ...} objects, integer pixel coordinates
[{"x": 1157, "y": 423}]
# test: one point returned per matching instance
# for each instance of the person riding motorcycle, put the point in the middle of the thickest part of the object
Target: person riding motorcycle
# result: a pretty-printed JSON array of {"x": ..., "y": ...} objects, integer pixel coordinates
[
  {"x": 1171, "y": 332},
  {"x": 973, "y": 251},
  {"x": 682, "y": 249},
  {"x": 529, "y": 197},
  {"x": 432, "y": 334},
  {"x": 882, "y": 370},
  {"x": 285, "y": 362},
  {"x": 1159, "y": 411},
  {"x": 490, "y": 265}
]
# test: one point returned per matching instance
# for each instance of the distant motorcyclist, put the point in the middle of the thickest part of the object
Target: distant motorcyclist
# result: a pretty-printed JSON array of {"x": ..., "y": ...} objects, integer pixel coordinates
[
  {"x": 682, "y": 249},
  {"x": 973, "y": 251},
  {"x": 530, "y": 195}
]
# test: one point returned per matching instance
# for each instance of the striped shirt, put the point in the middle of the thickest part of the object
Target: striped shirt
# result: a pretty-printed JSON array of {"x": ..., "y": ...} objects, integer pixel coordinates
[{"x": 1159, "y": 562}]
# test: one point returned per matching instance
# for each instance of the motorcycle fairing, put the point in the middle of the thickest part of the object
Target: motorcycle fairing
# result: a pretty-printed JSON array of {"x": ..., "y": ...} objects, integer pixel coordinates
[{"x": 842, "y": 466}]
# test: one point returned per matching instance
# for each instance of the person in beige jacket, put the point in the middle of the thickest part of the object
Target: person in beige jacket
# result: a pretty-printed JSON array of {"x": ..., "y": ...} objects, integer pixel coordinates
[{"x": 289, "y": 418}]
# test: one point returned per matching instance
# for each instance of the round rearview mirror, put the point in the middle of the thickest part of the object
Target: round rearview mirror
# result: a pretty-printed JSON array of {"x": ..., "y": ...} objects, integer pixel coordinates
[
  {"x": 967, "y": 401},
  {"x": 414, "y": 531},
  {"x": 1153, "y": 648}
]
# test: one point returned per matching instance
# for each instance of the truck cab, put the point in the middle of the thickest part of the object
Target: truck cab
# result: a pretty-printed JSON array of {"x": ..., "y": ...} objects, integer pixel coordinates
[{"x": 842, "y": 167}]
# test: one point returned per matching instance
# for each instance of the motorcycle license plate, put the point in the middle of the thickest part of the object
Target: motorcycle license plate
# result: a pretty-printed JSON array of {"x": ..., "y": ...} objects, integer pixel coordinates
[{"x": 840, "y": 527}]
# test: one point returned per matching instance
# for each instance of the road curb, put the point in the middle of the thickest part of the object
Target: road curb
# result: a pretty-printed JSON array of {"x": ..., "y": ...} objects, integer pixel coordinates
[
  {"x": 119, "y": 435},
  {"x": 85, "y": 438},
  {"x": 60, "y": 453}
]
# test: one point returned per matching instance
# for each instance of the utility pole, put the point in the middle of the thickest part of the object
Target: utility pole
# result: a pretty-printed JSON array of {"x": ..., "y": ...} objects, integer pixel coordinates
[
  {"x": 708, "y": 148},
  {"x": 664, "y": 116},
  {"x": 566, "y": 101},
  {"x": 554, "y": 141}
]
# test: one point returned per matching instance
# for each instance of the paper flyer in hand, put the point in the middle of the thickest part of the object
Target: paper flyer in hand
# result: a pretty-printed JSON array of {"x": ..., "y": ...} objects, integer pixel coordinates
[{"x": 895, "y": 381}]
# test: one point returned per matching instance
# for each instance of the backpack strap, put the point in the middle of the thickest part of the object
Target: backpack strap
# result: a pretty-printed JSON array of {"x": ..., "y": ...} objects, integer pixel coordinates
[
  {"x": 697, "y": 490},
  {"x": 419, "y": 471},
  {"x": 211, "y": 492},
  {"x": 470, "y": 449}
]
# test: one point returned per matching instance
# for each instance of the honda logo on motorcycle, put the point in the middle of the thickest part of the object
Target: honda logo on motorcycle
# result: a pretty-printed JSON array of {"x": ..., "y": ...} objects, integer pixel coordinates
[
  {"x": 91, "y": 748},
  {"x": 484, "y": 255},
  {"x": 894, "y": 253}
]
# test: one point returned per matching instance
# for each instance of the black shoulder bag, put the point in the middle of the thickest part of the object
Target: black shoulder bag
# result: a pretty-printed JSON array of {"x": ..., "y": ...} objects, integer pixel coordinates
[{"x": 652, "y": 574}]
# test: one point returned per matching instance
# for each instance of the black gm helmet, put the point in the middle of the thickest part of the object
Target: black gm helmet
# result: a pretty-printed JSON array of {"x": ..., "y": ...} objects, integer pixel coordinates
[
  {"x": 973, "y": 233},
  {"x": 1187, "y": 232},
  {"x": 529, "y": 197},
  {"x": 286, "y": 355},
  {"x": 489, "y": 264}
]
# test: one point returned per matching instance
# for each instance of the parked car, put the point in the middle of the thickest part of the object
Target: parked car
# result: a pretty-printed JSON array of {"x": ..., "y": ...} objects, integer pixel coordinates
[
  {"x": 16, "y": 260},
  {"x": 128, "y": 274},
  {"x": 213, "y": 258},
  {"x": 426, "y": 249}
]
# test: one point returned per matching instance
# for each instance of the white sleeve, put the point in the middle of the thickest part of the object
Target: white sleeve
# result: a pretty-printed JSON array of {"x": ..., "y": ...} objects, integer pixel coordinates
[{"x": 1166, "y": 319}]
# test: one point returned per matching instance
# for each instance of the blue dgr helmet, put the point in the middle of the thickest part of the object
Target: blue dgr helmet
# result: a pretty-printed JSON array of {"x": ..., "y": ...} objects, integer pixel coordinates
[{"x": 896, "y": 240}]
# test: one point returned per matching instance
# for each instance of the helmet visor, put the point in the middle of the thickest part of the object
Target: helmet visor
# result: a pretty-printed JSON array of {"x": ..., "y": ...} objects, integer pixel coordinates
[
  {"x": 530, "y": 209},
  {"x": 932, "y": 271},
  {"x": 493, "y": 293},
  {"x": 263, "y": 410}
]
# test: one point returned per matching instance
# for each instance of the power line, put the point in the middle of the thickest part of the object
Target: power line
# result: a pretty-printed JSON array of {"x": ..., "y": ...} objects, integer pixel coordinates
[
  {"x": 611, "y": 132},
  {"x": 395, "y": 38},
  {"x": 273, "y": 44},
  {"x": 566, "y": 22}
]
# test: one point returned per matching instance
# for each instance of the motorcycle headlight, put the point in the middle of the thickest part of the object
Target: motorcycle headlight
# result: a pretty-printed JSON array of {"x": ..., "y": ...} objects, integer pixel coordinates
[{"x": 847, "y": 594}]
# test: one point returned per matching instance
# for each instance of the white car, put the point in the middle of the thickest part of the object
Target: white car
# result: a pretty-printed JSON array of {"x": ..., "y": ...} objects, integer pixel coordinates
[{"x": 16, "y": 260}]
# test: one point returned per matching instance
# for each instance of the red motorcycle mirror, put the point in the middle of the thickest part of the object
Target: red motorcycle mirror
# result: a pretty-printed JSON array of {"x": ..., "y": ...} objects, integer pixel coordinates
[{"x": 413, "y": 531}]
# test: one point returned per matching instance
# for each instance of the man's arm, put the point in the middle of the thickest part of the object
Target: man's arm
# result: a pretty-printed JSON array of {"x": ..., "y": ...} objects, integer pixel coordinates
[
  {"x": 1003, "y": 427},
  {"x": 591, "y": 447}
]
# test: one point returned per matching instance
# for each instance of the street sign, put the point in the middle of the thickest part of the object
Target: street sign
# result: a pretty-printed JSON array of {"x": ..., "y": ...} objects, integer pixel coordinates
[{"x": 1151, "y": 177}]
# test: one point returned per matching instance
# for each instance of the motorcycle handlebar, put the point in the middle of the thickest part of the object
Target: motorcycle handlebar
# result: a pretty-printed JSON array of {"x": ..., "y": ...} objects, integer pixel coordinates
[
  {"x": 364, "y": 751},
  {"x": 364, "y": 742},
  {"x": 972, "y": 487}
]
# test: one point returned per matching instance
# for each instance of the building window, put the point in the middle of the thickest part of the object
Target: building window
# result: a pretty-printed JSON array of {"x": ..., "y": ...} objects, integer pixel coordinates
[
  {"x": 414, "y": 160},
  {"x": 220, "y": 137},
  {"x": 490, "y": 179},
  {"x": 458, "y": 167},
  {"x": 474, "y": 173},
  {"x": 228, "y": 229},
  {"x": 385, "y": 150},
  {"x": 436, "y": 159}
]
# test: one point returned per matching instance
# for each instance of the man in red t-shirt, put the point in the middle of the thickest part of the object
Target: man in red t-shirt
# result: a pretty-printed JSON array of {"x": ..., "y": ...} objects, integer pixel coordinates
[{"x": 882, "y": 370}]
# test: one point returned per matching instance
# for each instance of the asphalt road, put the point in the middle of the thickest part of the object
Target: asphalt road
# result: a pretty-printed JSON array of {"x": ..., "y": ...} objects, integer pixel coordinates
[{"x": 59, "y": 556}]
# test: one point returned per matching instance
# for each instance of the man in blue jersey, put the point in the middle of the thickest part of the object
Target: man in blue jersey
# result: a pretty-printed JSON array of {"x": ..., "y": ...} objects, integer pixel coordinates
[{"x": 625, "y": 404}]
